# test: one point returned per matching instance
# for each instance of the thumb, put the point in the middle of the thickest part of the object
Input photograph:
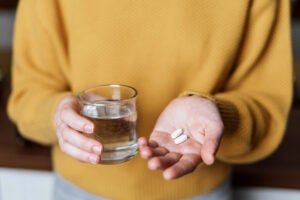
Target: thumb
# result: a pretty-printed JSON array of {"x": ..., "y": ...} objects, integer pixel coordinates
[{"x": 209, "y": 150}]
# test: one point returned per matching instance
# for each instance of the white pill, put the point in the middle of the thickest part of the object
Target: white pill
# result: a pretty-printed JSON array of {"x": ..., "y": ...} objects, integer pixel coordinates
[
  {"x": 180, "y": 139},
  {"x": 176, "y": 133}
]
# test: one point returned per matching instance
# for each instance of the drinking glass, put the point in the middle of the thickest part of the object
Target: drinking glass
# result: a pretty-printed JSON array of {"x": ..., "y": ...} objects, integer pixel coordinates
[{"x": 112, "y": 109}]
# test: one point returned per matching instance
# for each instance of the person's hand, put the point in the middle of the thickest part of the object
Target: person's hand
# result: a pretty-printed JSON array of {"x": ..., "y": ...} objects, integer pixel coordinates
[
  {"x": 69, "y": 128},
  {"x": 201, "y": 122}
]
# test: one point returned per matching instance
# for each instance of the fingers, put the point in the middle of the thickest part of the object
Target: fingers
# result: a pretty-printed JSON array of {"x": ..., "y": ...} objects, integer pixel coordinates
[
  {"x": 163, "y": 162},
  {"x": 78, "y": 140},
  {"x": 77, "y": 153},
  {"x": 68, "y": 113},
  {"x": 149, "y": 149},
  {"x": 70, "y": 117},
  {"x": 69, "y": 127},
  {"x": 143, "y": 141},
  {"x": 75, "y": 144},
  {"x": 173, "y": 165},
  {"x": 185, "y": 165}
]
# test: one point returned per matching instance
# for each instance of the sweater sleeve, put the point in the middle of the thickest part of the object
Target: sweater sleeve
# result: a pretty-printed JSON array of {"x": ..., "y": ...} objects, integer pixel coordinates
[
  {"x": 38, "y": 78},
  {"x": 255, "y": 101}
]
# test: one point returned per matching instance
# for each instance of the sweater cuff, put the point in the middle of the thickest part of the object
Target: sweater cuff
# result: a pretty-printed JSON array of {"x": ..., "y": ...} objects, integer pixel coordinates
[{"x": 203, "y": 95}]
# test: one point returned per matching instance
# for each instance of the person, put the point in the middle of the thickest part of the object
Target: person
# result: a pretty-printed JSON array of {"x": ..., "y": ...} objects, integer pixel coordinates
[{"x": 220, "y": 70}]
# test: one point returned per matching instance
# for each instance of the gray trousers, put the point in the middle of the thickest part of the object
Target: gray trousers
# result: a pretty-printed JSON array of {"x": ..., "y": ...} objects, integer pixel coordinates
[{"x": 64, "y": 190}]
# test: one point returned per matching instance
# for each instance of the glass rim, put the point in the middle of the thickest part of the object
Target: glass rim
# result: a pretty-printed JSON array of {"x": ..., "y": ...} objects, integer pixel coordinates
[{"x": 112, "y": 85}]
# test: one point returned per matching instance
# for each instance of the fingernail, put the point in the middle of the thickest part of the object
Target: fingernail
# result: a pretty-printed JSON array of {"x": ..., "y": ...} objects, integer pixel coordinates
[
  {"x": 97, "y": 149},
  {"x": 88, "y": 128},
  {"x": 167, "y": 176},
  {"x": 94, "y": 159}
]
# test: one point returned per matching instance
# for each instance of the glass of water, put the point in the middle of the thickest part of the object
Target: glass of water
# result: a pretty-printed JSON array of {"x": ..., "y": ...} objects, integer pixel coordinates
[{"x": 112, "y": 109}]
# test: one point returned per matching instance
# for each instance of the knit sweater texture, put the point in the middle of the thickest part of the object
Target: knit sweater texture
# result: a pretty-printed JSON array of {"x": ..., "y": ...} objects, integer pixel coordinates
[{"x": 235, "y": 52}]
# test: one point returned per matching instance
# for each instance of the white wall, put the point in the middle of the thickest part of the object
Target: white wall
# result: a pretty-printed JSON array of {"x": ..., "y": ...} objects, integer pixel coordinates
[{"x": 20, "y": 184}]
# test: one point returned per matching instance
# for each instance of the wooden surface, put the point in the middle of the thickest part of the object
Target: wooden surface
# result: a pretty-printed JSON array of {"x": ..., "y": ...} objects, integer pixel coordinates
[
  {"x": 282, "y": 169},
  {"x": 8, "y": 4},
  {"x": 14, "y": 151}
]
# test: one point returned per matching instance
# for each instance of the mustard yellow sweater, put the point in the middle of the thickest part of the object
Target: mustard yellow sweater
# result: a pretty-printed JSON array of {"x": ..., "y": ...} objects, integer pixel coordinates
[{"x": 238, "y": 52}]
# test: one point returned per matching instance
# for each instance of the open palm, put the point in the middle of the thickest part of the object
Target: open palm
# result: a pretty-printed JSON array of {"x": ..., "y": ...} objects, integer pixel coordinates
[{"x": 201, "y": 122}]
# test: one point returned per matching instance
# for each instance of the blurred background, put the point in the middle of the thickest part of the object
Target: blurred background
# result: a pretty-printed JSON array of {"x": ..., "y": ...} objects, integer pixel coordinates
[{"x": 25, "y": 167}]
